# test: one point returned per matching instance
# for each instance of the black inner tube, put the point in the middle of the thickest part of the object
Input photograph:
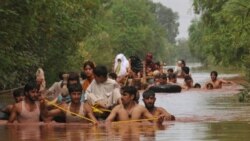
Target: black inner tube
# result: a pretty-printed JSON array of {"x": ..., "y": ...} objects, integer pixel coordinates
[{"x": 166, "y": 88}]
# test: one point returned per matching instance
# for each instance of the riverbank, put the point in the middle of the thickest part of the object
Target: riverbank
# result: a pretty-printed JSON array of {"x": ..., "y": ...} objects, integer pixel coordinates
[{"x": 241, "y": 80}]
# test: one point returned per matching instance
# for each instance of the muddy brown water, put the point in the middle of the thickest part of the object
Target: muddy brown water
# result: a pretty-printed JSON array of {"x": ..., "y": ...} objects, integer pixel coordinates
[{"x": 211, "y": 115}]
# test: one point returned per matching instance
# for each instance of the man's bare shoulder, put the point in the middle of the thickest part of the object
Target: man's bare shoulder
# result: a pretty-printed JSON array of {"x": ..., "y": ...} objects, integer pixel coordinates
[
  {"x": 18, "y": 105},
  {"x": 64, "y": 105},
  {"x": 161, "y": 109},
  {"x": 117, "y": 107}
]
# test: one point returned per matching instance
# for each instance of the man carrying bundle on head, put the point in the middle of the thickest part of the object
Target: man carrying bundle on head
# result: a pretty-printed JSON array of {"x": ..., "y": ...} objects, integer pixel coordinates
[
  {"x": 40, "y": 80},
  {"x": 121, "y": 67},
  {"x": 149, "y": 64}
]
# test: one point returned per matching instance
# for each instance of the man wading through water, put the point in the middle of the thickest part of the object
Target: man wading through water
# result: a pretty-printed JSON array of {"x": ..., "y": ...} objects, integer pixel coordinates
[{"x": 129, "y": 109}]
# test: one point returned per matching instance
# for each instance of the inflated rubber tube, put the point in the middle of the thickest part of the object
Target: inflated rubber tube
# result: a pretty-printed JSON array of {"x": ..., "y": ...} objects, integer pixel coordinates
[{"x": 166, "y": 88}]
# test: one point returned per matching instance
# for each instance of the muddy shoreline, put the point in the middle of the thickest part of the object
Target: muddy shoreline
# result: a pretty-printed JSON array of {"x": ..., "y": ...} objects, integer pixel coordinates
[{"x": 240, "y": 80}]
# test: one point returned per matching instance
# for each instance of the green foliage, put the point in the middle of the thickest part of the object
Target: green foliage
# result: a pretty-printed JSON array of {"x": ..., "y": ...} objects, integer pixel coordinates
[
  {"x": 244, "y": 96},
  {"x": 168, "y": 19},
  {"x": 60, "y": 35},
  {"x": 220, "y": 37},
  {"x": 39, "y": 34},
  {"x": 182, "y": 51}
]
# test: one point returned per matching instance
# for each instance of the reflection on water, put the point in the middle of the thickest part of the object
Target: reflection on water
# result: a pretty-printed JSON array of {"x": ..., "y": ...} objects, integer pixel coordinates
[
  {"x": 76, "y": 132},
  {"x": 177, "y": 131},
  {"x": 213, "y": 115}
]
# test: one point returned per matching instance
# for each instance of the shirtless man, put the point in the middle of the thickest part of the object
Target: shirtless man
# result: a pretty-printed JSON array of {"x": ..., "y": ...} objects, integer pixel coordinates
[
  {"x": 18, "y": 96},
  {"x": 149, "y": 101},
  {"x": 188, "y": 83},
  {"x": 28, "y": 110},
  {"x": 172, "y": 79},
  {"x": 75, "y": 106},
  {"x": 177, "y": 69},
  {"x": 129, "y": 109},
  {"x": 217, "y": 83},
  {"x": 40, "y": 80}
]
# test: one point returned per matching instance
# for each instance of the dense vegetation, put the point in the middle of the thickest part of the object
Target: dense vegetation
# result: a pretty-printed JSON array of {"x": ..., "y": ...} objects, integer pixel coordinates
[
  {"x": 58, "y": 35},
  {"x": 221, "y": 35}
]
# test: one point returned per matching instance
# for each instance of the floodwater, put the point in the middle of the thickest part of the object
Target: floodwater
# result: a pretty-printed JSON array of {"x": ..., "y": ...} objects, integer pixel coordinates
[{"x": 211, "y": 115}]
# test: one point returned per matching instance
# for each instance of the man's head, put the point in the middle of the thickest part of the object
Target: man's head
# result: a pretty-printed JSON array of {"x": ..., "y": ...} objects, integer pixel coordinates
[
  {"x": 163, "y": 79},
  {"x": 188, "y": 81},
  {"x": 18, "y": 95},
  {"x": 149, "y": 57},
  {"x": 30, "y": 91},
  {"x": 197, "y": 85},
  {"x": 100, "y": 74},
  {"x": 128, "y": 94},
  {"x": 209, "y": 86},
  {"x": 185, "y": 70},
  {"x": 170, "y": 70},
  {"x": 75, "y": 91},
  {"x": 172, "y": 78},
  {"x": 112, "y": 75},
  {"x": 213, "y": 75},
  {"x": 73, "y": 78},
  {"x": 149, "y": 99}
]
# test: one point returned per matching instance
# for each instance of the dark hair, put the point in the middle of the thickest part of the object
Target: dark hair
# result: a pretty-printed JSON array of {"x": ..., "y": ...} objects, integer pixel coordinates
[
  {"x": 148, "y": 93},
  {"x": 31, "y": 85},
  {"x": 214, "y": 72},
  {"x": 186, "y": 78},
  {"x": 170, "y": 70},
  {"x": 185, "y": 70},
  {"x": 163, "y": 76},
  {"x": 89, "y": 63},
  {"x": 83, "y": 75},
  {"x": 131, "y": 90},
  {"x": 60, "y": 75},
  {"x": 171, "y": 76},
  {"x": 74, "y": 88},
  {"x": 73, "y": 76},
  {"x": 100, "y": 71},
  {"x": 18, "y": 92},
  {"x": 183, "y": 62},
  {"x": 197, "y": 85},
  {"x": 136, "y": 64},
  {"x": 113, "y": 75},
  {"x": 209, "y": 86}
]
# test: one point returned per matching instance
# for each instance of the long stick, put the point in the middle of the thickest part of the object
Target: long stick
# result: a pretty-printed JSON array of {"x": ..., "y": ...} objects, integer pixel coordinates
[
  {"x": 135, "y": 120},
  {"x": 78, "y": 115}
]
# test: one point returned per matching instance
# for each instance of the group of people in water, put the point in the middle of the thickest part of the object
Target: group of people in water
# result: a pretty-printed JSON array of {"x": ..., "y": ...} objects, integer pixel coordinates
[{"x": 97, "y": 95}]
